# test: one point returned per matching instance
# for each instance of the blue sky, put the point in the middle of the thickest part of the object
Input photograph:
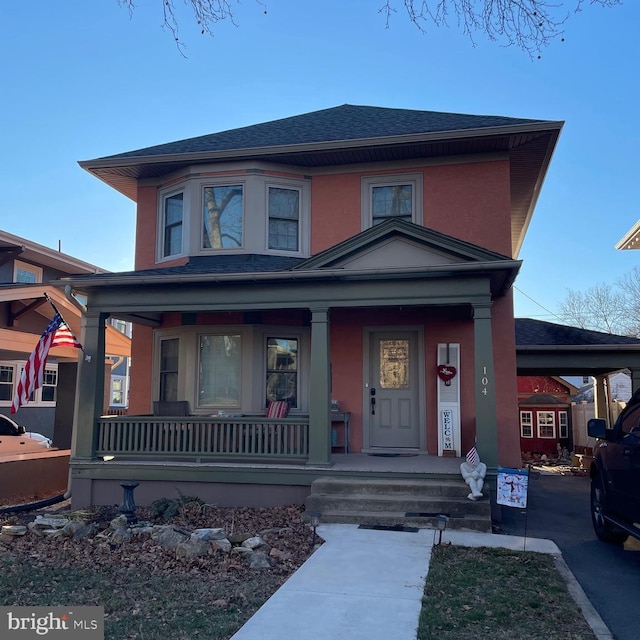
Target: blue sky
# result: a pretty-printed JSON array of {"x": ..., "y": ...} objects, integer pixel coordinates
[{"x": 82, "y": 80}]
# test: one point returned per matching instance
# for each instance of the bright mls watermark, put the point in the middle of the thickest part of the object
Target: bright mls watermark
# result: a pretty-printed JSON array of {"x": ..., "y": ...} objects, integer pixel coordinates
[{"x": 71, "y": 623}]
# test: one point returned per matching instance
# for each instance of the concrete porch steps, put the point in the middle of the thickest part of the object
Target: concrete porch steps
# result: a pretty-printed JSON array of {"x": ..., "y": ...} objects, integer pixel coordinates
[{"x": 414, "y": 502}]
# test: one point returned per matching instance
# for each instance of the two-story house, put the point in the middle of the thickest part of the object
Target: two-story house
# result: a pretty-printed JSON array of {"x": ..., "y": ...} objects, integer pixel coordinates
[
  {"x": 26, "y": 270},
  {"x": 357, "y": 255}
]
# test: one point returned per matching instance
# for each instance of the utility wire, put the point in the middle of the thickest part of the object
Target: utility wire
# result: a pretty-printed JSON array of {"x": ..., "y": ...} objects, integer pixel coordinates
[{"x": 536, "y": 302}]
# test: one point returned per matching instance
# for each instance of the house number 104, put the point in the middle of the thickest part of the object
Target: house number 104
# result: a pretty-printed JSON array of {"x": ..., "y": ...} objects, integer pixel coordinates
[{"x": 484, "y": 381}]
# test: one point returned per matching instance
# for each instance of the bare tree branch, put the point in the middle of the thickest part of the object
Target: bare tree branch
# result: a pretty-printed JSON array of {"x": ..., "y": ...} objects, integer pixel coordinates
[
  {"x": 605, "y": 308},
  {"x": 529, "y": 25}
]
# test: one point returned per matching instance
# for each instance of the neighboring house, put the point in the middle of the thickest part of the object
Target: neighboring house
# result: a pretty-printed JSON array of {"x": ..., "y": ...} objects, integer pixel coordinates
[
  {"x": 357, "y": 254},
  {"x": 631, "y": 239},
  {"x": 26, "y": 270},
  {"x": 545, "y": 414}
]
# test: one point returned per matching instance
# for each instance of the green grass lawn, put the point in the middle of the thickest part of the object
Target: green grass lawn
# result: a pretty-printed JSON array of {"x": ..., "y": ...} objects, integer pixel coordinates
[{"x": 498, "y": 594}]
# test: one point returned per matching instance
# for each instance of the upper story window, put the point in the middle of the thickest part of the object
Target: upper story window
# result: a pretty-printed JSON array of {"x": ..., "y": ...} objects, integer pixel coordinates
[
  {"x": 391, "y": 196},
  {"x": 284, "y": 218},
  {"x": 223, "y": 217},
  {"x": 172, "y": 225},
  {"x": 26, "y": 273},
  {"x": 251, "y": 212}
]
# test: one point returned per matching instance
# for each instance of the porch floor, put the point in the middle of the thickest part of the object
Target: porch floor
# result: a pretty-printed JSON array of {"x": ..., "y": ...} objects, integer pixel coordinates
[
  {"x": 420, "y": 463},
  {"x": 340, "y": 463}
]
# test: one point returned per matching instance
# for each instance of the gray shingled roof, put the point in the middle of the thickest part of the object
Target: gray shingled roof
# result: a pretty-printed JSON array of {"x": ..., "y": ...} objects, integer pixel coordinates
[
  {"x": 347, "y": 122},
  {"x": 531, "y": 332},
  {"x": 542, "y": 398},
  {"x": 245, "y": 263}
]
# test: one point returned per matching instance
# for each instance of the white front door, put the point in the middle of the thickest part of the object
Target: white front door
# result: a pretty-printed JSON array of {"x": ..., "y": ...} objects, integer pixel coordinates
[{"x": 393, "y": 390}]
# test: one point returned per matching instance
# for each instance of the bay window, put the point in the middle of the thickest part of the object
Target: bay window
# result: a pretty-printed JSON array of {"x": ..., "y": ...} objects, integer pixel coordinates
[
  {"x": 223, "y": 215},
  {"x": 172, "y": 225},
  {"x": 284, "y": 218}
]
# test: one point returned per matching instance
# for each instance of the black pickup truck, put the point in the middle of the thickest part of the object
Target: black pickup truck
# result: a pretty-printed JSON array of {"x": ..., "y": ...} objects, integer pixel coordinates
[{"x": 615, "y": 475}]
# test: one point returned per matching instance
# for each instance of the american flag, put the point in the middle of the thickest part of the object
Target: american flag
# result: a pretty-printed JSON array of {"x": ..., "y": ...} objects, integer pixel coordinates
[
  {"x": 472, "y": 457},
  {"x": 57, "y": 334}
]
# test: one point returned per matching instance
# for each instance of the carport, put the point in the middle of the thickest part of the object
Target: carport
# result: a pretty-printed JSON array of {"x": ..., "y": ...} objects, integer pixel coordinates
[{"x": 545, "y": 348}]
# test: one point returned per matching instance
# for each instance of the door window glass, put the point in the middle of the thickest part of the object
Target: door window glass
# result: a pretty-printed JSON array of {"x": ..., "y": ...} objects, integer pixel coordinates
[{"x": 394, "y": 364}]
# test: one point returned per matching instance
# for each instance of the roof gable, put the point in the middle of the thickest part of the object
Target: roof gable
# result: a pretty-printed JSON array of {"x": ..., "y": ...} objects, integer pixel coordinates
[{"x": 397, "y": 243}]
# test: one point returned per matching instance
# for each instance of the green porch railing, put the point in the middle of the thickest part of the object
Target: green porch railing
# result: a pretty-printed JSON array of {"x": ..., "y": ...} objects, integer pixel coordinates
[{"x": 203, "y": 437}]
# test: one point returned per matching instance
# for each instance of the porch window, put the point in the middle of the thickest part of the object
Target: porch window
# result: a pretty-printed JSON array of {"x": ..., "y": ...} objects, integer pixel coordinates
[
  {"x": 169, "y": 349},
  {"x": 118, "y": 391},
  {"x": 526, "y": 424},
  {"x": 49, "y": 385},
  {"x": 563, "y": 424},
  {"x": 391, "y": 196},
  {"x": 7, "y": 373},
  {"x": 546, "y": 424},
  {"x": 219, "y": 371},
  {"x": 223, "y": 217},
  {"x": 172, "y": 225},
  {"x": 284, "y": 218},
  {"x": 282, "y": 370}
]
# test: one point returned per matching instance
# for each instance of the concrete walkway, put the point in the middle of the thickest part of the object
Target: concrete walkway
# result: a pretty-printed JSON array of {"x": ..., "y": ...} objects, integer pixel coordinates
[{"x": 364, "y": 584}]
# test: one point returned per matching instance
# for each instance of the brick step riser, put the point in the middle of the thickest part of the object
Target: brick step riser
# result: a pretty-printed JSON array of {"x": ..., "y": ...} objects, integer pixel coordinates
[{"x": 324, "y": 503}]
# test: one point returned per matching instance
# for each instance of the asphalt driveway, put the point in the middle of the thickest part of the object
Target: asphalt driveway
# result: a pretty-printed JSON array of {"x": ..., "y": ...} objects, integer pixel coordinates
[{"x": 558, "y": 509}]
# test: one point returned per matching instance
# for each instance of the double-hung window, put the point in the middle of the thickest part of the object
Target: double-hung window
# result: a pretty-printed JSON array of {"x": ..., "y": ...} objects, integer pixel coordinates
[
  {"x": 7, "y": 375},
  {"x": 563, "y": 424},
  {"x": 282, "y": 370},
  {"x": 223, "y": 217},
  {"x": 546, "y": 424},
  {"x": 284, "y": 218},
  {"x": 172, "y": 224},
  {"x": 526, "y": 424},
  {"x": 49, "y": 385},
  {"x": 45, "y": 395},
  {"x": 169, "y": 352},
  {"x": 391, "y": 196}
]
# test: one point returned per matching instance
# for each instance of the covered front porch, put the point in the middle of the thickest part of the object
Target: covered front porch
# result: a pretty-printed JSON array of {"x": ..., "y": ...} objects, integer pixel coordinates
[
  {"x": 336, "y": 309},
  {"x": 242, "y": 482}
]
